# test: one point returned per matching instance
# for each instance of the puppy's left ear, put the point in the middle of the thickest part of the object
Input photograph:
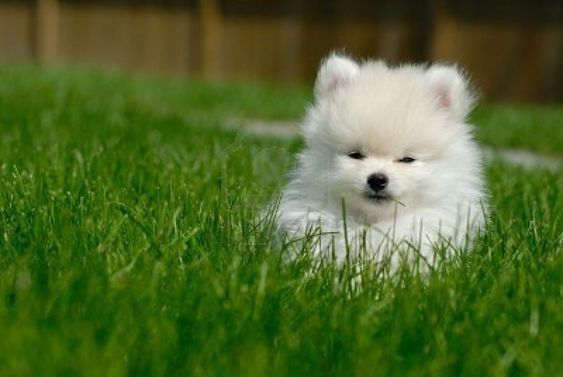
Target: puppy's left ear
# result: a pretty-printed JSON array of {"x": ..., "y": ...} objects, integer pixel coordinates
[
  {"x": 451, "y": 90},
  {"x": 336, "y": 71}
]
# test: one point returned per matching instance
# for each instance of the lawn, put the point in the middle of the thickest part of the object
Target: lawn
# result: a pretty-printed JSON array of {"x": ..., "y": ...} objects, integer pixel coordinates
[{"x": 129, "y": 246}]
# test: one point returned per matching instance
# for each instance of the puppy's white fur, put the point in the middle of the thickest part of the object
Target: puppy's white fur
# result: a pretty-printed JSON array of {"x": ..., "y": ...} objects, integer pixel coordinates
[{"x": 386, "y": 114}]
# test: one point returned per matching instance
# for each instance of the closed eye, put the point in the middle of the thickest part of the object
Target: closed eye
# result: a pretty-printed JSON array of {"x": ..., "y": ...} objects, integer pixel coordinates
[
  {"x": 406, "y": 160},
  {"x": 356, "y": 155}
]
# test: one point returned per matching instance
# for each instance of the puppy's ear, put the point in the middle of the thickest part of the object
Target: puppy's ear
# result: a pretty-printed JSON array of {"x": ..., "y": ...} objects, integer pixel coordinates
[
  {"x": 450, "y": 89},
  {"x": 336, "y": 72}
]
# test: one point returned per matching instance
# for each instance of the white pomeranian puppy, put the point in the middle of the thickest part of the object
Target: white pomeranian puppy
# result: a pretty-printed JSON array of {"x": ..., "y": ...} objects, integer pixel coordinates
[{"x": 389, "y": 164}]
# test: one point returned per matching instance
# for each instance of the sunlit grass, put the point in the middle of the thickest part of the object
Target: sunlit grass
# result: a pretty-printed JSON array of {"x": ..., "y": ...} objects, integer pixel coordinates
[{"x": 129, "y": 245}]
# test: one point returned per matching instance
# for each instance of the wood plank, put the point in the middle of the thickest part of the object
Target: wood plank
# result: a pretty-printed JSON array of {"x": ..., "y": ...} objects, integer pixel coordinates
[
  {"x": 144, "y": 38},
  {"x": 17, "y": 28},
  {"x": 47, "y": 31},
  {"x": 210, "y": 29}
]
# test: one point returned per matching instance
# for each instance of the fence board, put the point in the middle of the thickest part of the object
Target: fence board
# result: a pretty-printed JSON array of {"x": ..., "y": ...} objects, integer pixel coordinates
[
  {"x": 16, "y": 29},
  {"x": 47, "y": 30},
  {"x": 285, "y": 40},
  {"x": 506, "y": 59},
  {"x": 147, "y": 38},
  {"x": 211, "y": 35}
]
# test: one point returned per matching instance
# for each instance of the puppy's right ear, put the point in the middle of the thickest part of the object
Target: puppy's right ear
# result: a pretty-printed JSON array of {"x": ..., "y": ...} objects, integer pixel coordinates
[
  {"x": 451, "y": 90},
  {"x": 336, "y": 72}
]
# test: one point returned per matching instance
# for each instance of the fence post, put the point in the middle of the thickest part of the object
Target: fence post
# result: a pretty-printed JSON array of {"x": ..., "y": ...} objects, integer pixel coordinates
[
  {"x": 47, "y": 31},
  {"x": 210, "y": 37}
]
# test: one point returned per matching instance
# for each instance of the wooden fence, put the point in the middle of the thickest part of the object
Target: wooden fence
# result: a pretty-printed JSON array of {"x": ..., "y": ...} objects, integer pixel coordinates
[{"x": 514, "y": 50}]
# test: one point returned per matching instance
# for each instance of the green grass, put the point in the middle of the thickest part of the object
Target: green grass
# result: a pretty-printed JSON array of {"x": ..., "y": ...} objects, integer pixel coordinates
[
  {"x": 128, "y": 247},
  {"x": 533, "y": 127}
]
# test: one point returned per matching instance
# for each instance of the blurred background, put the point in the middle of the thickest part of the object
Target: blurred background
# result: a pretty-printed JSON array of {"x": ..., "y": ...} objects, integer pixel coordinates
[{"x": 512, "y": 49}]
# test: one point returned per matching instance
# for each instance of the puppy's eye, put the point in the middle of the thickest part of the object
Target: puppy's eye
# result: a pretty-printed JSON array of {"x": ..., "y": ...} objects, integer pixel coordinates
[
  {"x": 406, "y": 160},
  {"x": 356, "y": 155}
]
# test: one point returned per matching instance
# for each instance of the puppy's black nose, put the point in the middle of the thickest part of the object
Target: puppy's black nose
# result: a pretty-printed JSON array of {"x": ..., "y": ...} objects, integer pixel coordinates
[{"x": 378, "y": 181}]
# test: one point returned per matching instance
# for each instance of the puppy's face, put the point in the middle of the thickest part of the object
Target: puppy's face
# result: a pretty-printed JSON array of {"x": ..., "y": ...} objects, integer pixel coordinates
[{"x": 385, "y": 139}]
